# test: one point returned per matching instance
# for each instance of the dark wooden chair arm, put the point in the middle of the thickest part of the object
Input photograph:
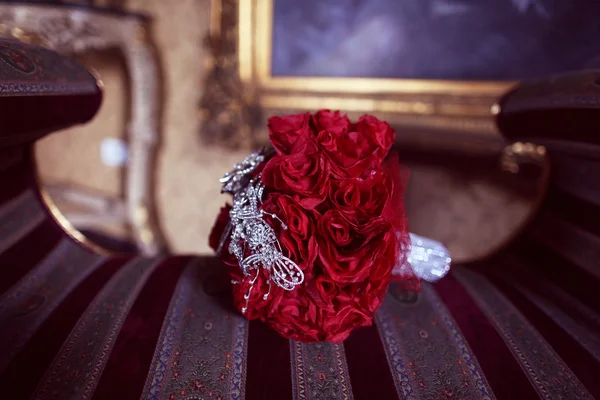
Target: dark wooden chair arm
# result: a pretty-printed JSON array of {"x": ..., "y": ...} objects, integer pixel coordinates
[
  {"x": 560, "y": 116},
  {"x": 41, "y": 92},
  {"x": 562, "y": 108}
]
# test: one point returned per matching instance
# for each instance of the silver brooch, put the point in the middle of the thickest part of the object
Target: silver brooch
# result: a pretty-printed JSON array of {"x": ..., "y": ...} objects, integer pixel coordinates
[
  {"x": 253, "y": 241},
  {"x": 237, "y": 179}
]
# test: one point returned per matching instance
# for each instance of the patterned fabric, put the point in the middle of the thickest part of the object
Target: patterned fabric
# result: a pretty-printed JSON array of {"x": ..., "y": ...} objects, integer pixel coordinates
[
  {"x": 76, "y": 369},
  {"x": 202, "y": 350},
  {"x": 26, "y": 305},
  {"x": 577, "y": 329},
  {"x": 425, "y": 347},
  {"x": 30, "y": 70},
  {"x": 18, "y": 217},
  {"x": 319, "y": 371},
  {"x": 165, "y": 329}
]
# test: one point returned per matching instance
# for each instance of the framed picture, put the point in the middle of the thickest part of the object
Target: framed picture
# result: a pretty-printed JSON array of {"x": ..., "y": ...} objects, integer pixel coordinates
[{"x": 427, "y": 65}]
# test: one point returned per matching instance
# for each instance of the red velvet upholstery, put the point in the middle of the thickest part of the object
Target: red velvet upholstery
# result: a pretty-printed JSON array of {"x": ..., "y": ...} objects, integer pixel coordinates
[{"x": 79, "y": 325}]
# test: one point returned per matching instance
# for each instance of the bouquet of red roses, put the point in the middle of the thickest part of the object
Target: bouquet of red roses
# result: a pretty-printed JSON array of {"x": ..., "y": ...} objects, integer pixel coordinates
[{"x": 316, "y": 226}]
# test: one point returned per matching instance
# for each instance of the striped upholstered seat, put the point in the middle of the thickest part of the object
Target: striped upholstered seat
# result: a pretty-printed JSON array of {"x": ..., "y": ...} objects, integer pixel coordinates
[{"x": 75, "y": 324}]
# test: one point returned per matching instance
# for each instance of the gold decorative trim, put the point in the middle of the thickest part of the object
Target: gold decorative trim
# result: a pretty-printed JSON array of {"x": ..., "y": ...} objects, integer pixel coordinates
[
  {"x": 59, "y": 217},
  {"x": 141, "y": 34},
  {"x": 228, "y": 108},
  {"x": 381, "y": 85},
  {"x": 66, "y": 226},
  {"x": 367, "y": 104},
  {"x": 143, "y": 222},
  {"x": 24, "y": 35},
  {"x": 511, "y": 157},
  {"x": 521, "y": 153},
  {"x": 245, "y": 37}
]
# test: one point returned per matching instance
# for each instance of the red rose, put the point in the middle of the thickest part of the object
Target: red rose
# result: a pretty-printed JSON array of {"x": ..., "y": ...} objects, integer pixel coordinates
[
  {"x": 373, "y": 289},
  {"x": 350, "y": 154},
  {"x": 323, "y": 290},
  {"x": 303, "y": 173},
  {"x": 348, "y": 252},
  {"x": 338, "y": 325},
  {"x": 357, "y": 153},
  {"x": 334, "y": 227},
  {"x": 362, "y": 199},
  {"x": 333, "y": 122},
  {"x": 369, "y": 294},
  {"x": 327, "y": 288},
  {"x": 299, "y": 237},
  {"x": 378, "y": 133},
  {"x": 285, "y": 131},
  {"x": 328, "y": 142},
  {"x": 297, "y": 317},
  {"x": 256, "y": 304},
  {"x": 387, "y": 252}
]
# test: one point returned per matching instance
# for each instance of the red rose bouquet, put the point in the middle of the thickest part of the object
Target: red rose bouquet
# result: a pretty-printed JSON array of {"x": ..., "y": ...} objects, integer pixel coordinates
[{"x": 316, "y": 227}]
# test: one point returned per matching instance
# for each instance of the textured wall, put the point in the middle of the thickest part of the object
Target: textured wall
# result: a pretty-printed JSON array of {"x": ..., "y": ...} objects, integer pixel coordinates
[
  {"x": 465, "y": 214},
  {"x": 187, "y": 173}
]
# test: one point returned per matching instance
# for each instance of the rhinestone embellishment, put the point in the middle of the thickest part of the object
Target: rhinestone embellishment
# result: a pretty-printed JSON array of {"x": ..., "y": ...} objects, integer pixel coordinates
[
  {"x": 429, "y": 259},
  {"x": 253, "y": 241}
]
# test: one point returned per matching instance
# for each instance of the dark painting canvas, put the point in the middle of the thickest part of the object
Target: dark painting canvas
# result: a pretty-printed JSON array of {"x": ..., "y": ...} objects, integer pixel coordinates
[{"x": 434, "y": 39}]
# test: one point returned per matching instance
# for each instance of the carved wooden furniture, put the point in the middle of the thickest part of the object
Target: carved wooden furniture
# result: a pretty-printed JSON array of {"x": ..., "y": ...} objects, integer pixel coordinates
[{"x": 75, "y": 28}]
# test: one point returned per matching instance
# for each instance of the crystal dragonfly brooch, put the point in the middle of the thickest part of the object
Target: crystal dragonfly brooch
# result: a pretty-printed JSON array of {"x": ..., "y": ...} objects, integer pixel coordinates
[{"x": 252, "y": 240}]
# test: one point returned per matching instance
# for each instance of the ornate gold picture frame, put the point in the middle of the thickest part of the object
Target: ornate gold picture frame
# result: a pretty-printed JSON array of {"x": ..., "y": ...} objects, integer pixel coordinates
[{"x": 242, "y": 88}]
